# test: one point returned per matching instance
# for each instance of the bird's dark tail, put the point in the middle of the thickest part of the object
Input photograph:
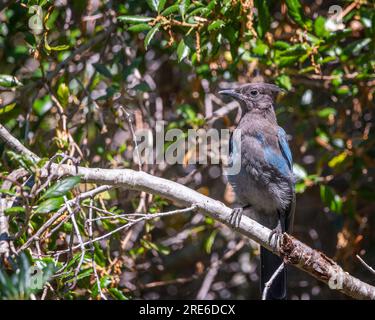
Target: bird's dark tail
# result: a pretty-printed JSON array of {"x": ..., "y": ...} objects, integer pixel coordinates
[{"x": 269, "y": 263}]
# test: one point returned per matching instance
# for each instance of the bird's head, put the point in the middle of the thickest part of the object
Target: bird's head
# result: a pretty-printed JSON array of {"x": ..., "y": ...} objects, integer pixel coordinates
[{"x": 254, "y": 95}]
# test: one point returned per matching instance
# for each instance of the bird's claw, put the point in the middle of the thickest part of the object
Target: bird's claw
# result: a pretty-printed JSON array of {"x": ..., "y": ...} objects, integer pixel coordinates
[
  {"x": 235, "y": 217},
  {"x": 275, "y": 236}
]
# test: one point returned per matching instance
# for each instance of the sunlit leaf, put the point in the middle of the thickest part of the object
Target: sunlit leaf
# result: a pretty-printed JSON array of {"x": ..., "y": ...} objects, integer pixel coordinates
[
  {"x": 295, "y": 11},
  {"x": 216, "y": 25},
  {"x": 139, "y": 27},
  {"x": 63, "y": 94},
  {"x": 284, "y": 82},
  {"x": 182, "y": 51},
  {"x": 50, "y": 205},
  {"x": 61, "y": 187},
  {"x": 9, "y": 81},
  {"x": 172, "y": 9},
  {"x": 337, "y": 160},
  {"x": 150, "y": 35},
  {"x": 153, "y": 4},
  {"x": 14, "y": 210},
  {"x": 117, "y": 294},
  {"x": 134, "y": 19},
  {"x": 210, "y": 241},
  {"x": 7, "y": 108}
]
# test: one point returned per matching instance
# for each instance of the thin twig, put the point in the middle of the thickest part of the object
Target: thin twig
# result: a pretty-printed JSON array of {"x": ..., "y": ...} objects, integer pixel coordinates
[
  {"x": 268, "y": 284},
  {"x": 79, "y": 237},
  {"x": 51, "y": 220},
  {"x": 92, "y": 248},
  {"x": 365, "y": 264},
  {"x": 149, "y": 216}
]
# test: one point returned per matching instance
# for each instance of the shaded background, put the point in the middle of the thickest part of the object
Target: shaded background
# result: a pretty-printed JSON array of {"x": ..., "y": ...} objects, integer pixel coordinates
[{"x": 166, "y": 60}]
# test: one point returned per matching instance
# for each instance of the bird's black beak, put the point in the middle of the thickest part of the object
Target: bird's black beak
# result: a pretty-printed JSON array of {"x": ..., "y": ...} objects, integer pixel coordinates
[{"x": 231, "y": 93}]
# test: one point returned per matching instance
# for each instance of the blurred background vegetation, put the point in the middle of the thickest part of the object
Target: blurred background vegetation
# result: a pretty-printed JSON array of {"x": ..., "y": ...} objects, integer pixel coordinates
[{"x": 75, "y": 76}]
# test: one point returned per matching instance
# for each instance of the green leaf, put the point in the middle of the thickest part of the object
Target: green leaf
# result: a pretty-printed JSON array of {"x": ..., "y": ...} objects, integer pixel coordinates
[
  {"x": 299, "y": 171},
  {"x": 153, "y": 4},
  {"x": 102, "y": 69},
  {"x": 7, "y": 192},
  {"x": 281, "y": 45},
  {"x": 42, "y": 105},
  {"x": 139, "y": 27},
  {"x": 14, "y": 210},
  {"x": 7, "y": 108},
  {"x": 63, "y": 94},
  {"x": 61, "y": 47},
  {"x": 294, "y": 50},
  {"x": 319, "y": 27},
  {"x": 284, "y": 81},
  {"x": 117, "y": 294},
  {"x": 151, "y": 34},
  {"x": 143, "y": 86},
  {"x": 9, "y": 81},
  {"x": 356, "y": 46},
  {"x": 134, "y": 19},
  {"x": 182, "y": 50},
  {"x": 287, "y": 61},
  {"x": 210, "y": 241},
  {"x": 264, "y": 19},
  {"x": 170, "y": 10},
  {"x": 23, "y": 160},
  {"x": 50, "y": 205},
  {"x": 182, "y": 7},
  {"x": 337, "y": 160},
  {"x": 326, "y": 112},
  {"x": 161, "y": 5},
  {"x": 260, "y": 48},
  {"x": 331, "y": 199},
  {"x": 217, "y": 24},
  {"x": 296, "y": 13},
  {"x": 300, "y": 187},
  {"x": 61, "y": 187}
]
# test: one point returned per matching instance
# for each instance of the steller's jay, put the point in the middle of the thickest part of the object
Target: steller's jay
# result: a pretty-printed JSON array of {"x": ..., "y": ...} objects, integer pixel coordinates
[{"x": 264, "y": 185}]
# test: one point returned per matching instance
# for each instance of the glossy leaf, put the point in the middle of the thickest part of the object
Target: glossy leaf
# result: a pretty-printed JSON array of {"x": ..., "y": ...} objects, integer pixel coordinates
[
  {"x": 7, "y": 108},
  {"x": 50, "y": 205},
  {"x": 284, "y": 82},
  {"x": 264, "y": 19},
  {"x": 8, "y": 81},
  {"x": 182, "y": 51},
  {"x": 61, "y": 187},
  {"x": 139, "y": 27},
  {"x": 153, "y": 4},
  {"x": 150, "y": 35},
  {"x": 134, "y": 19},
  {"x": 172, "y": 9},
  {"x": 102, "y": 69},
  {"x": 295, "y": 11},
  {"x": 63, "y": 94},
  {"x": 218, "y": 24}
]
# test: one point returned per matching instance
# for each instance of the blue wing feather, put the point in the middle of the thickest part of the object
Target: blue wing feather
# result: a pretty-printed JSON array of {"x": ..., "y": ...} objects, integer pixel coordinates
[{"x": 284, "y": 147}]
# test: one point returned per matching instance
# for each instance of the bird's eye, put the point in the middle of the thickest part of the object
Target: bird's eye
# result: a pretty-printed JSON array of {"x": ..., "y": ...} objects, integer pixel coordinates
[{"x": 254, "y": 93}]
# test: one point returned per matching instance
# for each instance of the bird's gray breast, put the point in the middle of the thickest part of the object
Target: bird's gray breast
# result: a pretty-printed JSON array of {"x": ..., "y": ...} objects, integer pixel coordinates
[{"x": 258, "y": 184}]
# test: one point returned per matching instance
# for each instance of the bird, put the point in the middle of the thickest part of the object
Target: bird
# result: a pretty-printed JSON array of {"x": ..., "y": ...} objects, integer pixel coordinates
[{"x": 265, "y": 184}]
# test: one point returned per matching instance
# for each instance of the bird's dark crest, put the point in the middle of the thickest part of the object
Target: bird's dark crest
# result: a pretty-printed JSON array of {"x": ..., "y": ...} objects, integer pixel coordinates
[
  {"x": 247, "y": 90},
  {"x": 263, "y": 88}
]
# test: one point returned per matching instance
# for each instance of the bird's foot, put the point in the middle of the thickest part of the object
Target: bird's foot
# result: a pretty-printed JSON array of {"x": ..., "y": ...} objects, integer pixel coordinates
[
  {"x": 235, "y": 217},
  {"x": 275, "y": 236}
]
